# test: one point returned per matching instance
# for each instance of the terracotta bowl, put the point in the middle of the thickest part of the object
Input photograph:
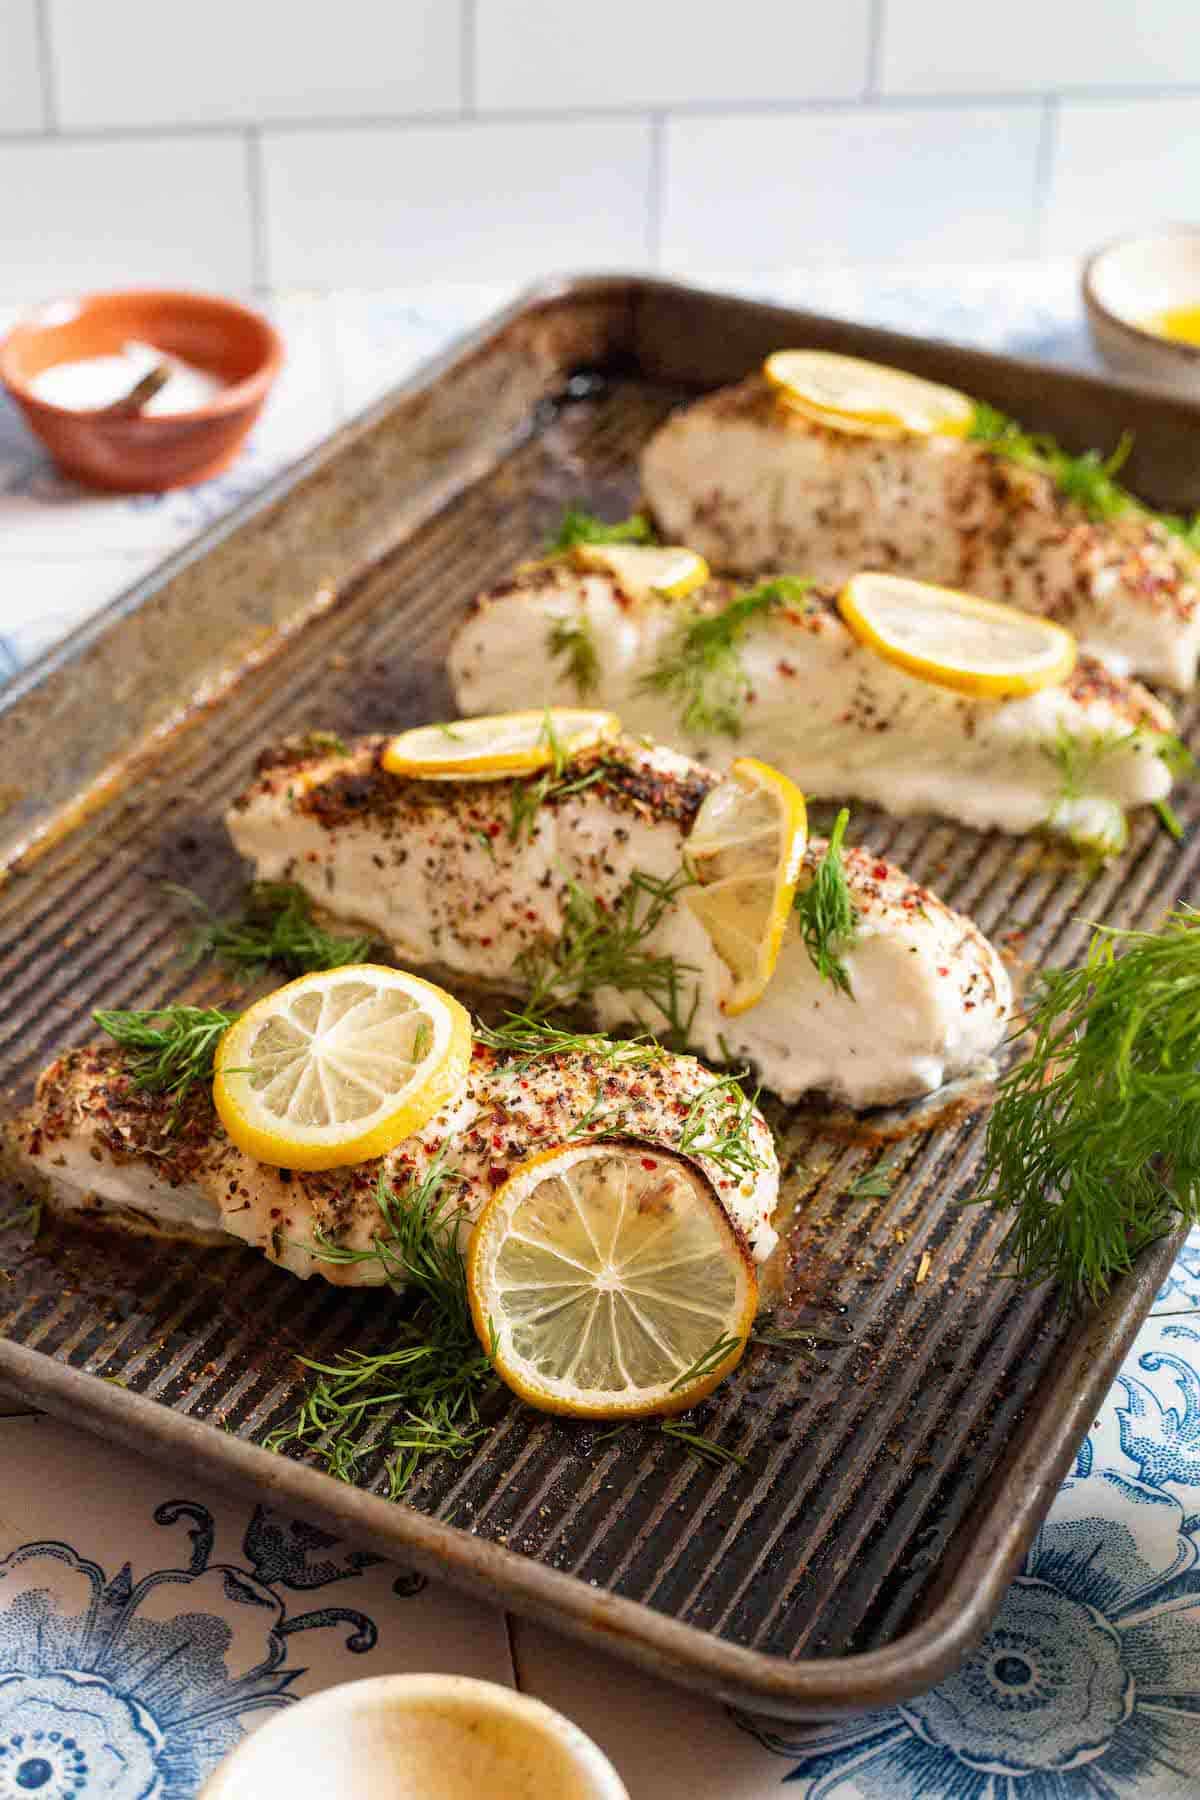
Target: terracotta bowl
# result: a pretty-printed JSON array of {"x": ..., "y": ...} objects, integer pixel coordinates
[
  {"x": 148, "y": 452},
  {"x": 1132, "y": 280}
]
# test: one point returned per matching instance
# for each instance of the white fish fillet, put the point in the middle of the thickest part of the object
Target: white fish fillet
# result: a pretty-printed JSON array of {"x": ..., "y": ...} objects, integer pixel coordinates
[
  {"x": 756, "y": 487},
  {"x": 107, "y": 1152},
  {"x": 434, "y": 869},
  {"x": 825, "y": 709}
]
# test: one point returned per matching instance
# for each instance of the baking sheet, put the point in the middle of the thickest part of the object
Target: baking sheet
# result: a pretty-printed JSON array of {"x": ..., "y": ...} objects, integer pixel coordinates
[{"x": 898, "y": 1466}]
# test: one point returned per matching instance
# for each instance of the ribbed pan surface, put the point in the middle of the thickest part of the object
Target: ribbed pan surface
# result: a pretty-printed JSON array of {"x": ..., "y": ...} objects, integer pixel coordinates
[{"x": 865, "y": 1449}]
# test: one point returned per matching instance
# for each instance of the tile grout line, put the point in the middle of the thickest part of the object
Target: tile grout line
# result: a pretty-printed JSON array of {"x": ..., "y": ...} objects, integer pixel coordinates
[
  {"x": 45, "y": 46},
  {"x": 732, "y": 109}
]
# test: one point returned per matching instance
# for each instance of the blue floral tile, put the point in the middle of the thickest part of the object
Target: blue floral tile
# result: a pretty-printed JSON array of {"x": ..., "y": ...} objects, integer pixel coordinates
[{"x": 142, "y": 1632}]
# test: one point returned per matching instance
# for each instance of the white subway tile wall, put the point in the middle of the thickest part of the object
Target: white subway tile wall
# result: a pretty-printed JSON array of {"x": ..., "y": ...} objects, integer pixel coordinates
[
  {"x": 779, "y": 191},
  {"x": 275, "y": 142},
  {"x": 124, "y": 212},
  {"x": 139, "y": 62},
  {"x": 537, "y": 53},
  {"x": 459, "y": 202},
  {"x": 21, "y": 100}
]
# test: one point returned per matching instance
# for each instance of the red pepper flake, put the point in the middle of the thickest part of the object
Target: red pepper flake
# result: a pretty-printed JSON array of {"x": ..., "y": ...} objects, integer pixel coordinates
[
  {"x": 485, "y": 943},
  {"x": 785, "y": 667},
  {"x": 648, "y": 1162},
  {"x": 493, "y": 830},
  {"x": 943, "y": 971},
  {"x": 880, "y": 871},
  {"x": 497, "y": 1174}
]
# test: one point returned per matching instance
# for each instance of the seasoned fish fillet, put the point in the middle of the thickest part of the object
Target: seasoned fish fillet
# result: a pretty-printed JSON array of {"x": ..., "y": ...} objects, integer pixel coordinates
[
  {"x": 757, "y": 487},
  {"x": 440, "y": 872},
  {"x": 827, "y": 710},
  {"x": 108, "y": 1152}
]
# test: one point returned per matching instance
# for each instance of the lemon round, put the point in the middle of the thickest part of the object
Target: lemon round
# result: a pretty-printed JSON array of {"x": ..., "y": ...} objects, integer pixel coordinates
[
  {"x": 488, "y": 749},
  {"x": 746, "y": 850},
  {"x": 339, "y": 1066},
  {"x": 849, "y": 394},
  {"x": 977, "y": 647},
  {"x": 604, "y": 1274},
  {"x": 643, "y": 570}
]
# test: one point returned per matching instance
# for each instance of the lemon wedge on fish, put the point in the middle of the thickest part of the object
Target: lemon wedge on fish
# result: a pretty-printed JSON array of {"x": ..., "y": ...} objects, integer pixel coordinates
[
  {"x": 847, "y": 393},
  {"x": 642, "y": 570},
  {"x": 746, "y": 850},
  {"x": 339, "y": 1066},
  {"x": 608, "y": 1281},
  {"x": 488, "y": 749},
  {"x": 977, "y": 647}
]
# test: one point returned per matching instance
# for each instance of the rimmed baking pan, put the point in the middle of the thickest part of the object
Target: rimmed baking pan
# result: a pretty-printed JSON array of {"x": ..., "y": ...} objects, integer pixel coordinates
[{"x": 899, "y": 1462}]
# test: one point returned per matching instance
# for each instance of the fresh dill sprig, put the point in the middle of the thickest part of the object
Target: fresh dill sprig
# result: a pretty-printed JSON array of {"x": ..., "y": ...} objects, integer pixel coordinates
[
  {"x": 581, "y": 527},
  {"x": 275, "y": 929},
  {"x": 828, "y": 921},
  {"x": 1095, "y": 823},
  {"x": 700, "y": 667},
  {"x": 604, "y": 946},
  {"x": 526, "y": 798},
  {"x": 707, "y": 1361},
  {"x": 1169, "y": 819},
  {"x": 1089, "y": 480},
  {"x": 1094, "y": 1140},
  {"x": 703, "y": 1449},
  {"x": 422, "y": 1396},
  {"x": 29, "y": 1215},
  {"x": 527, "y": 1038},
  {"x": 168, "y": 1049},
  {"x": 717, "y": 1127},
  {"x": 575, "y": 640}
]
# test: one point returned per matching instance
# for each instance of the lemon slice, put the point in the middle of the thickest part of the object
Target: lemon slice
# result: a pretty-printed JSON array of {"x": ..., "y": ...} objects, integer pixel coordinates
[
  {"x": 848, "y": 394},
  {"x": 517, "y": 743},
  {"x": 642, "y": 570},
  {"x": 339, "y": 1066},
  {"x": 746, "y": 849},
  {"x": 607, "y": 1273},
  {"x": 978, "y": 647}
]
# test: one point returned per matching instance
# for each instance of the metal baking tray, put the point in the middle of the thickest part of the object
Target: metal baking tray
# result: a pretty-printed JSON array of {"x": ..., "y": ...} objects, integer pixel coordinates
[{"x": 896, "y": 1470}]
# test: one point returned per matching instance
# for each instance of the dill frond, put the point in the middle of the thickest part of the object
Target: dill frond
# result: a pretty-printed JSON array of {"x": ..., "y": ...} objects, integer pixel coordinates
[
  {"x": 422, "y": 1396},
  {"x": 275, "y": 929},
  {"x": 1088, "y": 480},
  {"x": 168, "y": 1049},
  {"x": 526, "y": 1037},
  {"x": 581, "y": 527},
  {"x": 703, "y": 1449},
  {"x": 828, "y": 921},
  {"x": 1094, "y": 1141},
  {"x": 575, "y": 641},
  {"x": 604, "y": 946},
  {"x": 1094, "y": 823},
  {"x": 24, "y": 1217},
  {"x": 717, "y": 1125},
  {"x": 700, "y": 667}
]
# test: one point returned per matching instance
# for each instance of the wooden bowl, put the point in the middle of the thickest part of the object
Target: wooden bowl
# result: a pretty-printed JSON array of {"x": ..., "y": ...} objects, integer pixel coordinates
[
  {"x": 1132, "y": 280},
  {"x": 145, "y": 453}
]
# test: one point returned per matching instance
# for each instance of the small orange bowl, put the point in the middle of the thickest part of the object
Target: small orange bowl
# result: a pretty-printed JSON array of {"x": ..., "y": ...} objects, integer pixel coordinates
[{"x": 145, "y": 453}]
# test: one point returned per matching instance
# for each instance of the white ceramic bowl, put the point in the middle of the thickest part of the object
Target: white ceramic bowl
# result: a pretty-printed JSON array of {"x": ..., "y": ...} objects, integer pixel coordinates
[
  {"x": 1130, "y": 281},
  {"x": 417, "y": 1737}
]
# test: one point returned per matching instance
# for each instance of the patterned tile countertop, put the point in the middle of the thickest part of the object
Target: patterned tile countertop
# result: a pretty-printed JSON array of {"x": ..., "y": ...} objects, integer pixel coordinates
[{"x": 145, "y": 1624}]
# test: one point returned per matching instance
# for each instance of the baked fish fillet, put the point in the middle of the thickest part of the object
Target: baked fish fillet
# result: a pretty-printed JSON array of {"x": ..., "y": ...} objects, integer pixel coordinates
[
  {"x": 479, "y": 880},
  {"x": 829, "y": 712},
  {"x": 108, "y": 1152},
  {"x": 755, "y": 486}
]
